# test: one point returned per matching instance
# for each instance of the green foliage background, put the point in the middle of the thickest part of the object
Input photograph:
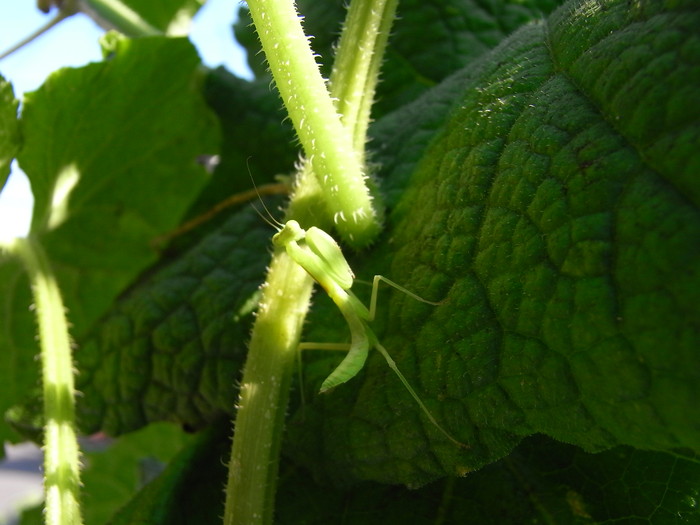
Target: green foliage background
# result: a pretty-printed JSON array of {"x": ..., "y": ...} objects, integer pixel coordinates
[{"x": 540, "y": 167}]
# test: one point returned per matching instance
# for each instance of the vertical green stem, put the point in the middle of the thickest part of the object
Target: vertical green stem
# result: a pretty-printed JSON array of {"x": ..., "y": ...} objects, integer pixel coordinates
[
  {"x": 356, "y": 68},
  {"x": 265, "y": 386},
  {"x": 327, "y": 143},
  {"x": 61, "y": 453},
  {"x": 265, "y": 392}
]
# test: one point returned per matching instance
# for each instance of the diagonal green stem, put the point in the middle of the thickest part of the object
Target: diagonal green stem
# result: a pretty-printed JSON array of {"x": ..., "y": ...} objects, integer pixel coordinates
[
  {"x": 327, "y": 143},
  {"x": 110, "y": 14},
  {"x": 113, "y": 14},
  {"x": 60, "y": 17},
  {"x": 61, "y": 453}
]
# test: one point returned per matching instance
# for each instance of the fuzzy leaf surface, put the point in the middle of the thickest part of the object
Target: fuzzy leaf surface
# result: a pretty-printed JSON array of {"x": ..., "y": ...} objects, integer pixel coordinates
[
  {"x": 172, "y": 347},
  {"x": 566, "y": 250},
  {"x": 567, "y": 256},
  {"x": 142, "y": 327}
]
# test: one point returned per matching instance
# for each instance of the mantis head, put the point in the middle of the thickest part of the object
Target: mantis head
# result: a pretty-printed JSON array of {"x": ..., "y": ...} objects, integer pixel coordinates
[{"x": 290, "y": 232}]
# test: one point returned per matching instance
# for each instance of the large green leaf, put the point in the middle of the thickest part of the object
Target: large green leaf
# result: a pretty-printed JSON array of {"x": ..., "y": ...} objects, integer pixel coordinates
[
  {"x": 564, "y": 485},
  {"x": 171, "y": 349},
  {"x": 110, "y": 150},
  {"x": 568, "y": 253},
  {"x": 113, "y": 474},
  {"x": 189, "y": 490},
  {"x": 541, "y": 224},
  {"x": 137, "y": 329},
  {"x": 558, "y": 217},
  {"x": 142, "y": 123}
]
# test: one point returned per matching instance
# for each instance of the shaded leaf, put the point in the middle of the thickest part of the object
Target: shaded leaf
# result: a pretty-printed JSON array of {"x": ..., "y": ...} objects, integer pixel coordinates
[
  {"x": 257, "y": 140},
  {"x": 189, "y": 490},
  {"x": 567, "y": 259},
  {"x": 172, "y": 347},
  {"x": 541, "y": 482},
  {"x": 113, "y": 475},
  {"x": 17, "y": 361}
]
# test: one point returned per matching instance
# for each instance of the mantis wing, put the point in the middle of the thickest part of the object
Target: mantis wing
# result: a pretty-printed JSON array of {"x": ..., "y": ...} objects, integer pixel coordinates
[{"x": 325, "y": 247}]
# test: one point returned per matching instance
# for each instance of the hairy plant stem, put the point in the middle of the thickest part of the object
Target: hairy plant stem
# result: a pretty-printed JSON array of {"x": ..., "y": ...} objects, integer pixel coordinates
[
  {"x": 326, "y": 142},
  {"x": 61, "y": 453},
  {"x": 356, "y": 68},
  {"x": 265, "y": 392},
  {"x": 275, "y": 339}
]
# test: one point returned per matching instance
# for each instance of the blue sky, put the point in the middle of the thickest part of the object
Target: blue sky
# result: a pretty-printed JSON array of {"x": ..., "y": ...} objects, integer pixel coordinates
[{"x": 74, "y": 42}]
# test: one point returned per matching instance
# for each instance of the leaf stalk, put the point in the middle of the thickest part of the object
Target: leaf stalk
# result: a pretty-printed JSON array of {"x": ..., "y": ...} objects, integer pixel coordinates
[{"x": 61, "y": 452}]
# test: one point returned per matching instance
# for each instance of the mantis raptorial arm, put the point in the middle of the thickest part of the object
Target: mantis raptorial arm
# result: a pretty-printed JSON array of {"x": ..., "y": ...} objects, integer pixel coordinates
[{"x": 321, "y": 257}]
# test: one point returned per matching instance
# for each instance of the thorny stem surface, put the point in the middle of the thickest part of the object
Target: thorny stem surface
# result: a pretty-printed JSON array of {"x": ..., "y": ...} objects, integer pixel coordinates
[
  {"x": 327, "y": 142},
  {"x": 268, "y": 371}
]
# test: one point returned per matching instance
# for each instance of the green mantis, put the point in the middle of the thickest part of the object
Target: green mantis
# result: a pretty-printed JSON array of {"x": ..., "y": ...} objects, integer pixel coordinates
[{"x": 321, "y": 257}]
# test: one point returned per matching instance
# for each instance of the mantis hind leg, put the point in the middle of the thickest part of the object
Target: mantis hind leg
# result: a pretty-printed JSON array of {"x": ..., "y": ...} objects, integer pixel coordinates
[
  {"x": 431, "y": 418},
  {"x": 375, "y": 288},
  {"x": 394, "y": 368}
]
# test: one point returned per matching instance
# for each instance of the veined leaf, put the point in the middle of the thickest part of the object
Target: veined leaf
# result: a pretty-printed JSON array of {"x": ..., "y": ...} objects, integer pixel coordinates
[
  {"x": 546, "y": 191},
  {"x": 111, "y": 153},
  {"x": 567, "y": 251}
]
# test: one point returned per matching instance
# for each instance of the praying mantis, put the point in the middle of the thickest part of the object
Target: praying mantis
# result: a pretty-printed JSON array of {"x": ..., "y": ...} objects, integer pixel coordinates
[{"x": 321, "y": 257}]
